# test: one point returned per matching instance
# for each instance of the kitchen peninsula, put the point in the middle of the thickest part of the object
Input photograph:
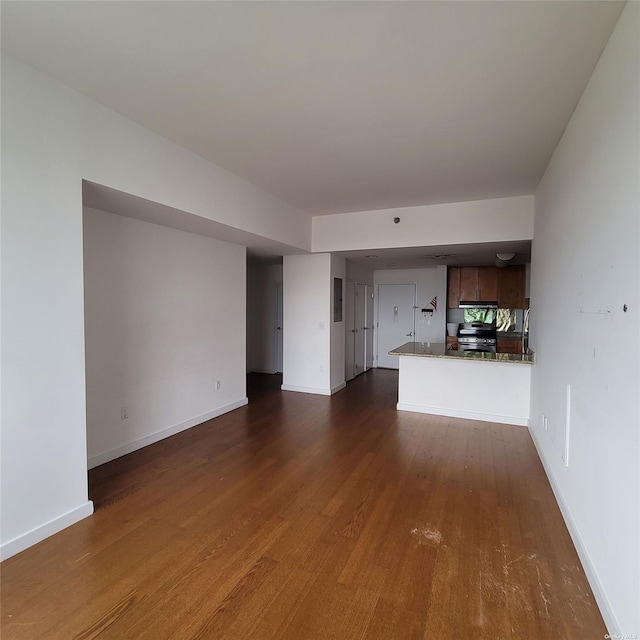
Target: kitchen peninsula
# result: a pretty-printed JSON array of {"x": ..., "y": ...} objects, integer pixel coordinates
[{"x": 493, "y": 387}]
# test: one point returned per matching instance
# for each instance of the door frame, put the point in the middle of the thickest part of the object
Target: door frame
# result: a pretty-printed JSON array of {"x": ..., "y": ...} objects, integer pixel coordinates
[
  {"x": 360, "y": 366},
  {"x": 278, "y": 356},
  {"x": 370, "y": 351},
  {"x": 349, "y": 317}
]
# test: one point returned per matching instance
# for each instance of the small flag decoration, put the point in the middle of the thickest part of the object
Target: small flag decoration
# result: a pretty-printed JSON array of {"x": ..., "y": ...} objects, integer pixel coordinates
[{"x": 434, "y": 303}]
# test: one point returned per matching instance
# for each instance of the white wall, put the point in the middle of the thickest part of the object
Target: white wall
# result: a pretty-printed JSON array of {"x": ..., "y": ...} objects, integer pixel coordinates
[
  {"x": 44, "y": 455},
  {"x": 432, "y": 385},
  {"x": 307, "y": 304},
  {"x": 337, "y": 336},
  {"x": 585, "y": 267},
  {"x": 262, "y": 316},
  {"x": 52, "y": 138},
  {"x": 162, "y": 311},
  {"x": 431, "y": 281},
  {"x": 501, "y": 219},
  {"x": 358, "y": 273}
]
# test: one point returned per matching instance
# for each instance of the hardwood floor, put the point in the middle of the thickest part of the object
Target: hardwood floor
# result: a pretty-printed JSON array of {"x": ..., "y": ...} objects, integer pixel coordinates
[{"x": 304, "y": 516}]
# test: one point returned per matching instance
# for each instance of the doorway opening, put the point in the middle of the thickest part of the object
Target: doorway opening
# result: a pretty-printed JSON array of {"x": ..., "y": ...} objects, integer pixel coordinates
[{"x": 359, "y": 328}]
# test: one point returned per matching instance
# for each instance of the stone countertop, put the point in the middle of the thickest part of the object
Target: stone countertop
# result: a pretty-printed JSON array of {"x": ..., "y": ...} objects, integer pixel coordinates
[{"x": 439, "y": 350}]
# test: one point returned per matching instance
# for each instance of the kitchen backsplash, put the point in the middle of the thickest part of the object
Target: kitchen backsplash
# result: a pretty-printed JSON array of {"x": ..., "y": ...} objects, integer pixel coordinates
[{"x": 458, "y": 315}]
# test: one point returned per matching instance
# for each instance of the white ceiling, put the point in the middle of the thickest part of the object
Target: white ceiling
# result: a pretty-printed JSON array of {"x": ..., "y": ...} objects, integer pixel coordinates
[{"x": 334, "y": 106}]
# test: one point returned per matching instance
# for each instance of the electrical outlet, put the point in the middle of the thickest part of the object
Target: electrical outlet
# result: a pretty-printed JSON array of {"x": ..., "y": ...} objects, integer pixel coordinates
[
  {"x": 217, "y": 385},
  {"x": 545, "y": 422},
  {"x": 321, "y": 368},
  {"x": 124, "y": 413}
]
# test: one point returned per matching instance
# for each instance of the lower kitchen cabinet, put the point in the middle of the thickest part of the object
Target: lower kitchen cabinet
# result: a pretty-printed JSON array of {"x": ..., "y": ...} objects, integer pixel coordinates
[{"x": 509, "y": 345}]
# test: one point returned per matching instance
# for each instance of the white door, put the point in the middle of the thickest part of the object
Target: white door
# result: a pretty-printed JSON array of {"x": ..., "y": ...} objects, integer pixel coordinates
[
  {"x": 396, "y": 320},
  {"x": 368, "y": 347},
  {"x": 279, "y": 327},
  {"x": 350, "y": 329},
  {"x": 360, "y": 324}
]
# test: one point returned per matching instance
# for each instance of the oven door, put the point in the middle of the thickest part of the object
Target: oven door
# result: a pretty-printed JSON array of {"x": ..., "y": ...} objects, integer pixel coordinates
[
  {"x": 477, "y": 345},
  {"x": 476, "y": 348}
]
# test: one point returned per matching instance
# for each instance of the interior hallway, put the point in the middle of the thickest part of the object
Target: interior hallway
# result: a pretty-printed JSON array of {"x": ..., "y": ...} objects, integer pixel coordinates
[{"x": 303, "y": 516}]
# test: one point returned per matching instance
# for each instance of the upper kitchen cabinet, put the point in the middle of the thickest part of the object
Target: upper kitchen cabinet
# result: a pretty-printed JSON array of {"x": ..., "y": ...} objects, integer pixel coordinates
[
  {"x": 506, "y": 285},
  {"x": 478, "y": 283},
  {"x": 453, "y": 287},
  {"x": 511, "y": 287},
  {"x": 471, "y": 283}
]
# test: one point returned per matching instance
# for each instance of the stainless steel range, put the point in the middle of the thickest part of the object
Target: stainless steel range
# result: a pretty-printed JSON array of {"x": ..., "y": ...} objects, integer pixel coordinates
[{"x": 477, "y": 336}]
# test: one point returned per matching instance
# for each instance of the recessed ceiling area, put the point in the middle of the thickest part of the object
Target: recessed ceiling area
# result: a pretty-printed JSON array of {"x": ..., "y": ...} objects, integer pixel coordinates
[
  {"x": 334, "y": 106},
  {"x": 466, "y": 255}
]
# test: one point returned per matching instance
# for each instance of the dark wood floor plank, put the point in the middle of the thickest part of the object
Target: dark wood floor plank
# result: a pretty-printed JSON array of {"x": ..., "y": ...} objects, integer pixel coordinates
[
  {"x": 303, "y": 516},
  {"x": 282, "y": 609}
]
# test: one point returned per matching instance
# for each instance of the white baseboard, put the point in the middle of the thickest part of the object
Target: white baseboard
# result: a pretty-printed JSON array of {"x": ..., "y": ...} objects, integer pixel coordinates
[
  {"x": 316, "y": 390},
  {"x": 28, "y": 539},
  {"x": 338, "y": 387},
  {"x": 610, "y": 620},
  {"x": 129, "y": 447},
  {"x": 469, "y": 415}
]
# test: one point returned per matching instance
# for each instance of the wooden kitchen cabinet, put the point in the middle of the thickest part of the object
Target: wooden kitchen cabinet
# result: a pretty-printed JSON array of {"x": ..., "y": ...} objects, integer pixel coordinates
[
  {"x": 506, "y": 285},
  {"x": 453, "y": 287},
  {"x": 469, "y": 283},
  {"x": 511, "y": 287},
  {"x": 478, "y": 283},
  {"x": 487, "y": 283},
  {"x": 509, "y": 345}
]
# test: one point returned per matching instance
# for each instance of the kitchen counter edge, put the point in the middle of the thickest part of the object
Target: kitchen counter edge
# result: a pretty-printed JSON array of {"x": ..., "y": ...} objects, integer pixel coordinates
[{"x": 439, "y": 350}]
